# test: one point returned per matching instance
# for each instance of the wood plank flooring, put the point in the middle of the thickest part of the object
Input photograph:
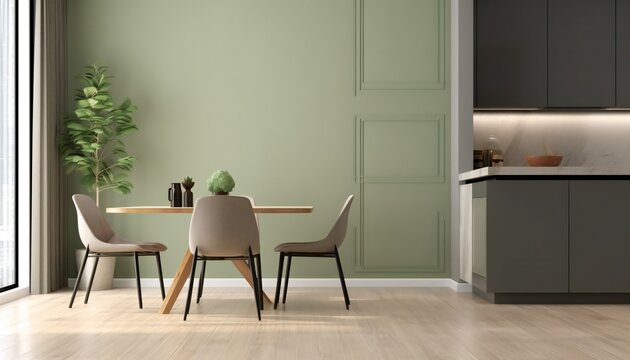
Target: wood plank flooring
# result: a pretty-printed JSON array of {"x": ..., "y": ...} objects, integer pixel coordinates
[{"x": 382, "y": 323}]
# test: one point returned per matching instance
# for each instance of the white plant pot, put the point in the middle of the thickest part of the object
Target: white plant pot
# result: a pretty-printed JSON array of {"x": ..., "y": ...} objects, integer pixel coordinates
[{"x": 104, "y": 277}]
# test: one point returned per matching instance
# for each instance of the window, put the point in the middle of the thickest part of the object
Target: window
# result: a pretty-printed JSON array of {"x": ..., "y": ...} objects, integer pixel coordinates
[{"x": 8, "y": 153}]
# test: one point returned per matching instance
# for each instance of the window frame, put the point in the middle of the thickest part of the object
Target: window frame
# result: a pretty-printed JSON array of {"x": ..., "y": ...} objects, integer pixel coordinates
[{"x": 16, "y": 254}]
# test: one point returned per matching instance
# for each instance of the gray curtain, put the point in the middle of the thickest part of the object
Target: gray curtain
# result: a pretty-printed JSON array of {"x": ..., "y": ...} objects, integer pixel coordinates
[{"x": 48, "y": 248}]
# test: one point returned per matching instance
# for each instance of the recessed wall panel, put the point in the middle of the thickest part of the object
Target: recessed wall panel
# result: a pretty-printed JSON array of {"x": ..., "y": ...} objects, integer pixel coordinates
[
  {"x": 401, "y": 44},
  {"x": 402, "y": 229},
  {"x": 402, "y": 149}
]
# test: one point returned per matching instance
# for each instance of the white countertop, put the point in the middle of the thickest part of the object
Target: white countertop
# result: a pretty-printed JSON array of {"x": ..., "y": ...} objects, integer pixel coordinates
[{"x": 543, "y": 171}]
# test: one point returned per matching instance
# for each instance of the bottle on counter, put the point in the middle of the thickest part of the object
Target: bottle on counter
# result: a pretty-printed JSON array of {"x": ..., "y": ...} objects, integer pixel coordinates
[{"x": 493, "y": 156}]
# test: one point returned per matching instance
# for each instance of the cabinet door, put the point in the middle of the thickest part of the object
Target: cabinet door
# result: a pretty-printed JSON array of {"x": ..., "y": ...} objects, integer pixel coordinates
[
  {"x": 623, "y": 53},
  {"x": 600, "y": 236},
  {"x": 511, "y": 53},
  {"x": 581, "y": 53},
  {"x": 527, "y": 236}
]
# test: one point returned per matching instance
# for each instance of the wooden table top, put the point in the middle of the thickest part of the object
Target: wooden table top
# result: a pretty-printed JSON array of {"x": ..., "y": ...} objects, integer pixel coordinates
[{"x": 189, "y": 210}]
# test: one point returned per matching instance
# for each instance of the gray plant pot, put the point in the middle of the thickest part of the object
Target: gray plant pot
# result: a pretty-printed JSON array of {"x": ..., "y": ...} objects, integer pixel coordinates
[{"x": 104, "y": 277}]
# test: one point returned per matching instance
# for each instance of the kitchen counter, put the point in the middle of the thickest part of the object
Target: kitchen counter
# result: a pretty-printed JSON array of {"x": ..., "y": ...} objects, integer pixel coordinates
[
  {"x": 546, "y": 234},
  {"x": 526, "y": 171}
]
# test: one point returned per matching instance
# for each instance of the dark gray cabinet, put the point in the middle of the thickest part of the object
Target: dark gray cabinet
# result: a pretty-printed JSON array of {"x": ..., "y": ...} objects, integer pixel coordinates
[
  {"x": 527, "y": 236},
  {"x": 511, "y": 53},
  {"x": 581, "y": 64},
  {"x": 623, "y": 53},
  {"x": 552, "y": 53},
  {"x": 557, "y": 240},
  {"x": 600, "y": 236}
]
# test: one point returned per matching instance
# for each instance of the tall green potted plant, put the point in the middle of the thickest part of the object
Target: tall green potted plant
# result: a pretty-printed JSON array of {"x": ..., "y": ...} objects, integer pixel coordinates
[{"x": 90, "y": 143}]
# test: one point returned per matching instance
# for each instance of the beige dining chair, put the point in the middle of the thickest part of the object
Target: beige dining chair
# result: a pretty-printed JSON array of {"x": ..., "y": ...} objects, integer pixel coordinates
[
  {"x": 326, "y": 247},
  {"x": 224, "y": 227},
  {"x": 100, "y": 240},
  {"x": 202, "y": 275}
]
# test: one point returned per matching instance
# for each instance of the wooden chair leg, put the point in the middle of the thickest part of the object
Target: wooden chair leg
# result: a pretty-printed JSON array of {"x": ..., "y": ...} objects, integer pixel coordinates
[
  {"x": 342, "y": 279},
  {"x": 259, "y": 274},
  {"x": 135, "y": 257},
  {"x": 252, "y": 269},
  {"x": 76, "y": 285},
  {"x": 159, "y": 266},
  {"x": 201, "y": 280},
  {"x": 89, "y": 288},
  {"x": 279, "y": 282},
  {"x": 190, "y": 287},
  {"x": 286, "y": 279}
]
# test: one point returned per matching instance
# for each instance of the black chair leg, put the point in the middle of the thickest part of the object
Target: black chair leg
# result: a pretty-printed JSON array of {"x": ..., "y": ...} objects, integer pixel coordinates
[
  {"x": 279, "y": 282},
  {"x": 76, "y": 285},
  {"x": 201, "y": 280},
  {"x": 259, "y": 274},
  {"x": 252, "y": 269},
  {"x": 342, "y": 279},
  {"x": 135, "y": 257},
  {"x": 159, "y": 265},
  {"x": 286, "y": 280},
  {"x": 89, "y": 288},
  {"x": 190, "y": 286}
]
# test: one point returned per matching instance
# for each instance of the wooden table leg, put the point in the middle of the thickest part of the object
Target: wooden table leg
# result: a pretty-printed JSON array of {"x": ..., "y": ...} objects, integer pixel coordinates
[
  {"x": 183, "y": 272},
  {"x": 243, "y": 268}
]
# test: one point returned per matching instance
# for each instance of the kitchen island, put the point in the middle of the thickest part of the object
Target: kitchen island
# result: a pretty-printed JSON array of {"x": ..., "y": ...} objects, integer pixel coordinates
[{"x": 547, "y": 234}]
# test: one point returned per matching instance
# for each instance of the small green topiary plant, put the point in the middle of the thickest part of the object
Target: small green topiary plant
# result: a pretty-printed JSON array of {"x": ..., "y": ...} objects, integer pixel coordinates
[{"x": 221, "y": 182}]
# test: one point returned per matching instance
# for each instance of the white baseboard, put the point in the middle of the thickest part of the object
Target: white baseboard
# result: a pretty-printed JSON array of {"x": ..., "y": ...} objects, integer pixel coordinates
[
  {"x": 329, "y": 282},
  {"x": 13, "y": 294},
  {"x": 462, "y": 287}
]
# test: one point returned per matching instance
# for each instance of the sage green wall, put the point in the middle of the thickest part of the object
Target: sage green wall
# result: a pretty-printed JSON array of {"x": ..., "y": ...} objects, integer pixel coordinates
[{"x": 303, "y": 101}]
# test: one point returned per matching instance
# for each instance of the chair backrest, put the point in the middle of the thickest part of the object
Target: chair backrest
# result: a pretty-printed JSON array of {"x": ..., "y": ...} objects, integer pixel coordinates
[
  {"x": 223, "y": 225},
  {"x": 253, "y": 202},
  {"x": 338, "y": 232},
  {"x": 93, "y": 226}
]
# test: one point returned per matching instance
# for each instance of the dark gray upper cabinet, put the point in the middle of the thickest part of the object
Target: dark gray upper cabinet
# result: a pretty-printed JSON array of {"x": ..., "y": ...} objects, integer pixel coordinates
[
  {"x": 581, "y": 64},
  {"x": 623, "y": 53},
  {"x": 552, "y": 53},
  {"x": 511, "y": 53}
]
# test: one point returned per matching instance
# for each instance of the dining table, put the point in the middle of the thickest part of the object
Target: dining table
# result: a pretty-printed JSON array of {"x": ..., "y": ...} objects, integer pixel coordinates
[{"x": 185, "y": 265}]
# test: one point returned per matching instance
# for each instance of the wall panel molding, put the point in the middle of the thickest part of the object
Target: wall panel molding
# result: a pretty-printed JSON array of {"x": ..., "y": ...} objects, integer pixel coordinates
[
  {"x": 400, "y": 45},
  {"x": 421, "y": 137},
  {"x": 437, "y": 263},
  {"x": 400, "y": 177}
]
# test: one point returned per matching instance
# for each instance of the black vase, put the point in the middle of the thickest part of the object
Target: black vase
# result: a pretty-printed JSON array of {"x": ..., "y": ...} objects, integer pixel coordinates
[
  {"x": 188, "y": 198},
  {"x": 188, "y": 195}
]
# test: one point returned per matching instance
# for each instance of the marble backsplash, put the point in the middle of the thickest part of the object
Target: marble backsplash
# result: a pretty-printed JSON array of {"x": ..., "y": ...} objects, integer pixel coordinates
[{"x": 582, "y": 138}]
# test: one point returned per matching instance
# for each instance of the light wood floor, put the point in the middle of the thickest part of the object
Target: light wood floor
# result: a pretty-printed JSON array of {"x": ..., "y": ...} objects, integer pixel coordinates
[{"x": 383, "y": 323}]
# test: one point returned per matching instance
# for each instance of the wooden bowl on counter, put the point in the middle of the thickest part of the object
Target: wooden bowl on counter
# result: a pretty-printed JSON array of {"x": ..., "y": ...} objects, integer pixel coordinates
[{"x": 544, "y": 160}]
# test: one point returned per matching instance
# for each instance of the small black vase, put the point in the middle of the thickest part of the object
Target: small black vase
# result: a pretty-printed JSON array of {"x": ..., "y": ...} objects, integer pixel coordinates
[
  {"x": 188, "y": 199},
  {"x": 188, "y": 195}
]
